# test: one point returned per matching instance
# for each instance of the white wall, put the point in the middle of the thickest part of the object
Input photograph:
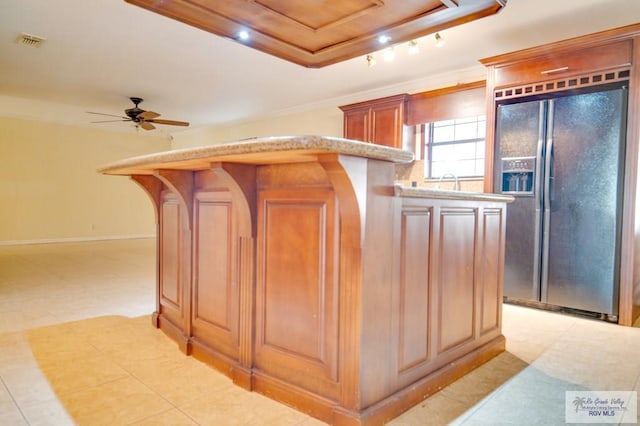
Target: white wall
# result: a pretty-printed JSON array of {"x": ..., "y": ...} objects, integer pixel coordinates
[
  {"x": 325, "y": 121},
  {"x": 50, "y": 190}
]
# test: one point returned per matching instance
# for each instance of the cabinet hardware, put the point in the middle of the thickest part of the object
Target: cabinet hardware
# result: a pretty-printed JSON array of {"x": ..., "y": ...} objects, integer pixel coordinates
[{"x": 554, "y": 70}]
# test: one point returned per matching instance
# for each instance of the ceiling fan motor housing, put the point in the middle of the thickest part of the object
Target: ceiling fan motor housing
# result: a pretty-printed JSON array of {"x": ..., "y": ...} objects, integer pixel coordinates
[{"x": 133, "y": 113}]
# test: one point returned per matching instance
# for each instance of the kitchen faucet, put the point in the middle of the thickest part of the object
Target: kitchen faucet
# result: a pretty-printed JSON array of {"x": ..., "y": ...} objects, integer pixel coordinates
[{"x": 456, "y": 185}]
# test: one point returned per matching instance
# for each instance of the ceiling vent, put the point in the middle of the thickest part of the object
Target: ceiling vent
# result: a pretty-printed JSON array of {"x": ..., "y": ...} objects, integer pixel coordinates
[{"x": 30, "y": 40}]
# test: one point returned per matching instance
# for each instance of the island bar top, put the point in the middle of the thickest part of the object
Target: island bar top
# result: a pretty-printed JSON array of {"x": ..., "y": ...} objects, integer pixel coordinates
[
  {"x": 267, "y": 150},
  {"x": 296, "y": 266}
]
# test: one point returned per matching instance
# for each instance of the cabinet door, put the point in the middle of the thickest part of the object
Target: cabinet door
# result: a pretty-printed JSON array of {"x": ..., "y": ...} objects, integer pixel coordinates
[
  {"x": 386, "y": 124},
  {"x": 356, "y": 124}
]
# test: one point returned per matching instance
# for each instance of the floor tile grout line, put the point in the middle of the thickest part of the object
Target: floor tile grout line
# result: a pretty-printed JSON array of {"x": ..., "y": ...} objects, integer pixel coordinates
[{"x": 15, "y": 403}]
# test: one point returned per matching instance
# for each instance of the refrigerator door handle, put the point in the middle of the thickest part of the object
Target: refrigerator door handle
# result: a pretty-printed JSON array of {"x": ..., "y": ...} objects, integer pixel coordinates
[
  {"x": 547, "y": 199},
  {"x": 538, "y": 194}
]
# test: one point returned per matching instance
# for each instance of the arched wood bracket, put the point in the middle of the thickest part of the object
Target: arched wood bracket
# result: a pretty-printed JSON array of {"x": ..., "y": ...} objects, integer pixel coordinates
[
  {"x": 153, "y": 187},
  {"x": 349, "y": 176},
  {"x": 240, "y": 179},
  {"x": 180, "y": 183}
]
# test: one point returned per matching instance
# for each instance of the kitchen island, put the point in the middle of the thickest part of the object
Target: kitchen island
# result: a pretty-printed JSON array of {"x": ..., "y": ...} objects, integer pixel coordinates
[{"x": 298, "y": 268}]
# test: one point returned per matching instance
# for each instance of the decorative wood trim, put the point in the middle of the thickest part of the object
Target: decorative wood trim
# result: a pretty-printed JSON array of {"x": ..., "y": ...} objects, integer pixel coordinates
[
  {"x": 395, "y": 404},
  {"x": 153, "y": 188},
  {"x": 446, "y": 103},
  {"x": 342, "y": 37},
  {"x": 566, "y": 83},
  {"x": 240, "y": 180},
  {"x": 180, "y": 183},
  {"x": 348, "y": 175},
  {"x": 629, "y": 308},
  {"x": 568, "y": 45}
]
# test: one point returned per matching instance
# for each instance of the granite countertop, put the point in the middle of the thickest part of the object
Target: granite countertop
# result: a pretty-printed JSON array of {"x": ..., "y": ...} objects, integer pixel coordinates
[
  {"x": 268, "y": 150},
  {"x": 403, "y": 191}
]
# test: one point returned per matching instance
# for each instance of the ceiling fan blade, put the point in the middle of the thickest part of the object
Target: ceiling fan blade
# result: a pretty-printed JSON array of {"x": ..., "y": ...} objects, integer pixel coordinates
[
  {"x": 169, "y": 122},
  {"x": 147, "y": 115},
  {"x": 109, "y": 115},
  {"x": 146, "y": 125},
  {"x": 109, "y": 121}
]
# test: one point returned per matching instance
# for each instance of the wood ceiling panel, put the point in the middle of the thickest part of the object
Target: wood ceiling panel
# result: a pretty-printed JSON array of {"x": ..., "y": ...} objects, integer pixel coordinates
[{"x": 316, "y": 33}]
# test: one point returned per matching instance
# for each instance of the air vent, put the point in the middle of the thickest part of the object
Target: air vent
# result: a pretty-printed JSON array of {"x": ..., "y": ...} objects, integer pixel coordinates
[
  {"x": 30, "y": 40},
  {"x": 595, "y": 79}
]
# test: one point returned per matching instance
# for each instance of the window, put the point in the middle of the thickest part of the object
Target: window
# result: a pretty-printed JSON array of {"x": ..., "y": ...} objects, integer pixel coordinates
[{"x": 454, "y": 147}]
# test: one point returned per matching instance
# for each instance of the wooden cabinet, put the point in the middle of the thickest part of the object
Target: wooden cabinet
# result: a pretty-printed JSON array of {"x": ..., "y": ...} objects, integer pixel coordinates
[
  {"x": 379, "y": 121},
  {"x": 558, "y": 64}
]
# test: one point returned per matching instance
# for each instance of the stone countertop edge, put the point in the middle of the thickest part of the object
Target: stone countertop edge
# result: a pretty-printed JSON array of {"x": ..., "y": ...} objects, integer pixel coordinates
[
  {"x": 411, "y": 192},
  {"x": 217, "y": 152}
]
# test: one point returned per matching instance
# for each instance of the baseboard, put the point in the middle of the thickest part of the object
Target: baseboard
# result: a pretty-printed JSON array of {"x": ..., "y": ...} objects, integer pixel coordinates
[{"x": 75, "y": 239}]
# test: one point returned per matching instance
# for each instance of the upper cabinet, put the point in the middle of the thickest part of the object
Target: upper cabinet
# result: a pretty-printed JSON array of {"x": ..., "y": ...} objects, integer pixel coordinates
[
  {"x": 552, "y": 65},
  {"x": 380, "y": 121}
]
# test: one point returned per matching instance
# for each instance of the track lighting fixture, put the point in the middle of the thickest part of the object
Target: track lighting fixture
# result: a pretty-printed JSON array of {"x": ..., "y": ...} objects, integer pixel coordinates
[
  {"x": 439, "y": 40},
  {"x": 371, "y": 61},
  {"x": 413, "y": 47}
]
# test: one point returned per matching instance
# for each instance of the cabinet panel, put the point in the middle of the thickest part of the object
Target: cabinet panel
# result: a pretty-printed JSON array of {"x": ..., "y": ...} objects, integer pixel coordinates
[
  {"x": 215, "y": 290},
  {"x": 386, "y": 124},
  {"x": 491, "y": 293},
  {"x": 456, "y": 292},
  {"x": 296, "y": 294},
  {"x": 565, "y": 63},
  {"x": 415, "y": 243},
  {"x": 356, "y": 124},
  {"x": 171, "y": 281}
]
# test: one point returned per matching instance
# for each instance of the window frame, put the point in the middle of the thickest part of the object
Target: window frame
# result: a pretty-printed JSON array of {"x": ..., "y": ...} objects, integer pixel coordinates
[{"x": 427, "y": 131}]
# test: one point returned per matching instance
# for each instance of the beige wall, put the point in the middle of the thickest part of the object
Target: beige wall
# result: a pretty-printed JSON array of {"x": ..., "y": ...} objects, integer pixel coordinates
[
  {"x": 50, "y": 189},
  {"x": 322, "y": 121}
]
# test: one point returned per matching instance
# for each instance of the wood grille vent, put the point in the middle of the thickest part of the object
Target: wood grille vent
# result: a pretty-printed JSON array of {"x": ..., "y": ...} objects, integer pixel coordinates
[{"x": 567, "y": 83}]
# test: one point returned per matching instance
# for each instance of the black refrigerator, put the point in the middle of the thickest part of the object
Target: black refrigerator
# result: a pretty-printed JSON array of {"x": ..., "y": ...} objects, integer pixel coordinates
[{"x": 562, "y": 157}]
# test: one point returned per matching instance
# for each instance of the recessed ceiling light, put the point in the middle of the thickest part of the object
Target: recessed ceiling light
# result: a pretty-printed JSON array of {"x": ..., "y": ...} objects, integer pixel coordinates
[
  {"x": 243, "y": 35},
  {"x": 384, "y": 39}
]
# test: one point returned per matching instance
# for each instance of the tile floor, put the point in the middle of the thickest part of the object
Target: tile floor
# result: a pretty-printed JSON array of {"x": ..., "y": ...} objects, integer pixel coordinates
[{"x": 77, "y": 347}]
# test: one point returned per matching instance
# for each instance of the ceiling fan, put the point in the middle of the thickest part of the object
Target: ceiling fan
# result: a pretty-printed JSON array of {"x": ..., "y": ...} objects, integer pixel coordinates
[{"x": 141, "y": 118}]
